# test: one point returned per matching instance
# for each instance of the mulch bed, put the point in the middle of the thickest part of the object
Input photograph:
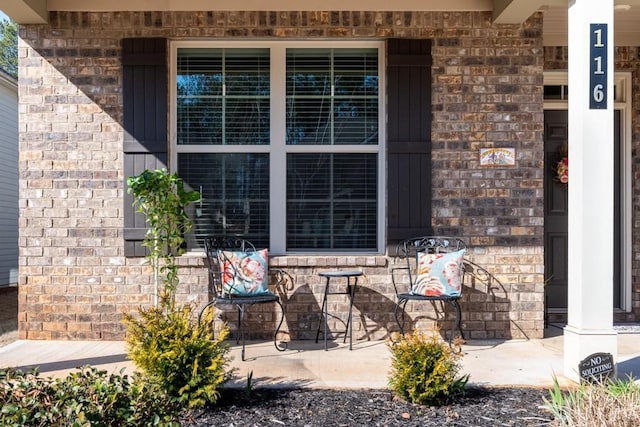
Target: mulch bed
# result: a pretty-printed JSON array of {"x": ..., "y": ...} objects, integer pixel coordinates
[
  {"x": 312, "y": 407},
  {"x": 316, "y": 407}
]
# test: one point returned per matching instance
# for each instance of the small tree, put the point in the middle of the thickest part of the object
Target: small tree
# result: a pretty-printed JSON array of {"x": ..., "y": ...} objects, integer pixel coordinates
[
  {"x": 161, "y": 197},
  {"x": 9, "y": 47},
  {"x": 172, "y": 350}
]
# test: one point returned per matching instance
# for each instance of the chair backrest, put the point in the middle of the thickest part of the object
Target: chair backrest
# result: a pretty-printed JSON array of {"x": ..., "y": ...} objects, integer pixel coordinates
[
  {"x": 212, "y": 246},
  {"x": 409, "y": 250}
]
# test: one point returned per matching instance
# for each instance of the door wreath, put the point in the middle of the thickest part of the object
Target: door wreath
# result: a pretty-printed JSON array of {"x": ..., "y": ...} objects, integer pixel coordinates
[{"x": 562, "y": 170}]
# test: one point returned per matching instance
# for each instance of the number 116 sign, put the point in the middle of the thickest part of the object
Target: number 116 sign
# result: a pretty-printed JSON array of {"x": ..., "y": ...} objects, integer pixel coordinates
[{"x": 598, "y": 67}]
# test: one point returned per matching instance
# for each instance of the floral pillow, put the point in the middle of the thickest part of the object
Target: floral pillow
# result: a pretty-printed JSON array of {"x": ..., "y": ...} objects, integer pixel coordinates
[
  {"x": 244, "y": 273},
  {"x": 439, "y": 274}
]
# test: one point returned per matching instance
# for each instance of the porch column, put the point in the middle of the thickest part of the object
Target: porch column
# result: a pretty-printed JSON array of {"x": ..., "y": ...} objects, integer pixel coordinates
[{"x": 590, "y": 288}]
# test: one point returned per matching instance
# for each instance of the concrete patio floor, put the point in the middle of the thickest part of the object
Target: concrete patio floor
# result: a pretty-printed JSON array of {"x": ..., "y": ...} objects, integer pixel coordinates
[{"x": 306, "y": 364}]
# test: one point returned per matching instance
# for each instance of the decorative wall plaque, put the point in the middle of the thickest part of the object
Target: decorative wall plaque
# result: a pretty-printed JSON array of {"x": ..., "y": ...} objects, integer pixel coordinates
[{"x": 497, "y": 156}]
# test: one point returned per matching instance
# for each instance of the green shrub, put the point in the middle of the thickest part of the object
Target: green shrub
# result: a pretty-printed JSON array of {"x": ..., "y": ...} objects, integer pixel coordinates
[
  {"x": 424, "y": 369},
  {"x": 173, "y": 351},
  {"x": 88, "y": 397},
  {"x": 609, "y": 403},
  {"x": 178, "y": 354}
]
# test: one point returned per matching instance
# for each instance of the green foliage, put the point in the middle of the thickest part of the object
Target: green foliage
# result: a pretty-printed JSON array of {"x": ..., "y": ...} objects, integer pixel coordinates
[
  {"x": 249, "y": 387},
  {"x": 174, "y": 352},
  {"x": 609, "y": 403},
  {"x": 88, "y": 397},
  {"x": 178, "y": 354},
  {"x": 558, "y": 401},
  {"x": 161, "y": 197},
  {"x": 617, "y": 387},
  {"x": 9, "y": 47},
  {"x": 424, "y": 369}
]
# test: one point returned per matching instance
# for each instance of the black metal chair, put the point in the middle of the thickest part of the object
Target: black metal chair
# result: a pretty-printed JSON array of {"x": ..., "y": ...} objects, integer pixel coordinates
[
  {"x": 216, "y": 250},
  {"x": 406, "y": 278}
]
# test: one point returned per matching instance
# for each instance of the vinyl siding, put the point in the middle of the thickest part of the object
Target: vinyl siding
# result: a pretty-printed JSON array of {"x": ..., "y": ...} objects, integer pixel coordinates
[{"x": 8, "y": 180}]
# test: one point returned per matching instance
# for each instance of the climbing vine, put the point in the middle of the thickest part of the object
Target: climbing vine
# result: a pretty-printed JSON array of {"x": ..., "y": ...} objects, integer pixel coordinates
[{"x": 161, "y": 197}]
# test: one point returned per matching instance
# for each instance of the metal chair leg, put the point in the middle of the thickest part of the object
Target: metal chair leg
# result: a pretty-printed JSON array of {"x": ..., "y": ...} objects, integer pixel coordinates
[
  {"x": 240, "y": 336},
  {"x": 241, "y": 309},
  {"x": 213, "y": 328},
  {"x": 322, "y": 317},
  {"x": 458, "y": 326},
  {"x": 209, "y": 304},
  {"x": 456, "y": 308},
  {"x": 458, "y": 318},
  {"x": 351, "y": 292},
  {"x": 275, "y": 335},
  {"x": 400, "y": 311}
]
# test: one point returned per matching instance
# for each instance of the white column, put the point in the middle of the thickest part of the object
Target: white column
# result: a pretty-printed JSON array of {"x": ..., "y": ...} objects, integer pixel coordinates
[{"x": 590, "y": 304}]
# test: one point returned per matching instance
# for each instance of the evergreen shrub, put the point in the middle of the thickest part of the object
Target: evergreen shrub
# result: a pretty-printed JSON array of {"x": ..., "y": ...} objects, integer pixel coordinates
[
  {"x": 178, "y": 354},
  {"x": 424, "y": 369}
]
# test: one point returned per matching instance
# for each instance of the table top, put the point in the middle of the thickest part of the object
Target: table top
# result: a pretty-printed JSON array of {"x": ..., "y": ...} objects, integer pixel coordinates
[{"x": 340, "y": 273}]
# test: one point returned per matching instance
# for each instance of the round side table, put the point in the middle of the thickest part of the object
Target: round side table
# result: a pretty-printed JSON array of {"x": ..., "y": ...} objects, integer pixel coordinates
[{"x": 350, "y": 290}]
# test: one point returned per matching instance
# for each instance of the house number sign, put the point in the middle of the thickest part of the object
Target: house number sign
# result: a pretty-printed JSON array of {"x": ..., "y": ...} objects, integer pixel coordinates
[{"x": 598, "y": 67}]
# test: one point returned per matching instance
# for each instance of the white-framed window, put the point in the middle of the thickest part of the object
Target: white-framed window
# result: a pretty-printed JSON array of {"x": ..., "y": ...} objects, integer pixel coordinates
[{"x": 284, "y": 141}]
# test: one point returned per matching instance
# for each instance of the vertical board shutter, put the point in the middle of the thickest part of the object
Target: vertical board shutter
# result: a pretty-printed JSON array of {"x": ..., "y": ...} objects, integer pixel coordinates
[
  {"x": 144, "y": 96},
  {"x": 409, "y": 138}
]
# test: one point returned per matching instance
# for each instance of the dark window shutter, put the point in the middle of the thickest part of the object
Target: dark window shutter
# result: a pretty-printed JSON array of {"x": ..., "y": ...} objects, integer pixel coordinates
[
  {"x": 409, "y": 138},
  {"x": 144, "y": 96}
]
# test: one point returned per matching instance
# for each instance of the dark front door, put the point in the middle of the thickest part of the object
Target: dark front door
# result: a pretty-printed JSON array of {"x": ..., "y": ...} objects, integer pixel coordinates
[{"x": 556, "y": 211}]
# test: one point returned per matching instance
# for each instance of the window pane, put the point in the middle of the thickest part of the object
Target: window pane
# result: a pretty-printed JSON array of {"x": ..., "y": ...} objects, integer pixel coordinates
[
  {"x": 356, "y": 72},
  {"x": 247, "y": 72},
  {"x": 235, "y": 195},
  {"x": 356, "y": 121},
  {"x": 553, "y": 92},
  {"x": 199, "y": 72},
  {"x": 308, "y": 72},
  {"x": 247, "y": 121},
  {"x": 332, "y": 96},
  {"x": 199, "y": 121},
  {"x": 331, "y": 201},
  {"x": 223, "y": 96},
  {"x": 309, "y": 121}
]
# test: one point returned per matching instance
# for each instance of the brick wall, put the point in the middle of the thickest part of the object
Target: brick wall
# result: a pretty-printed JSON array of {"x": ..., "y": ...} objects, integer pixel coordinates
[{"x": 487, "y": 92}]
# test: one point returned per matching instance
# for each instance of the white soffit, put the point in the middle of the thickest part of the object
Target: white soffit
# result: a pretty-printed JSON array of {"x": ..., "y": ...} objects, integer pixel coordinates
[
  {"x": 626, "y": 25},
  {"x": 25, "y": 11},
  {"x": 514, "y": 11}
]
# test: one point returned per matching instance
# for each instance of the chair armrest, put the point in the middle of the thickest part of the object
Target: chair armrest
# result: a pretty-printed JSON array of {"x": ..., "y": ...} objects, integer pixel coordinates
[
  {"x": 395, "y": 276},
  {"x": 280, "y": 280}
]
